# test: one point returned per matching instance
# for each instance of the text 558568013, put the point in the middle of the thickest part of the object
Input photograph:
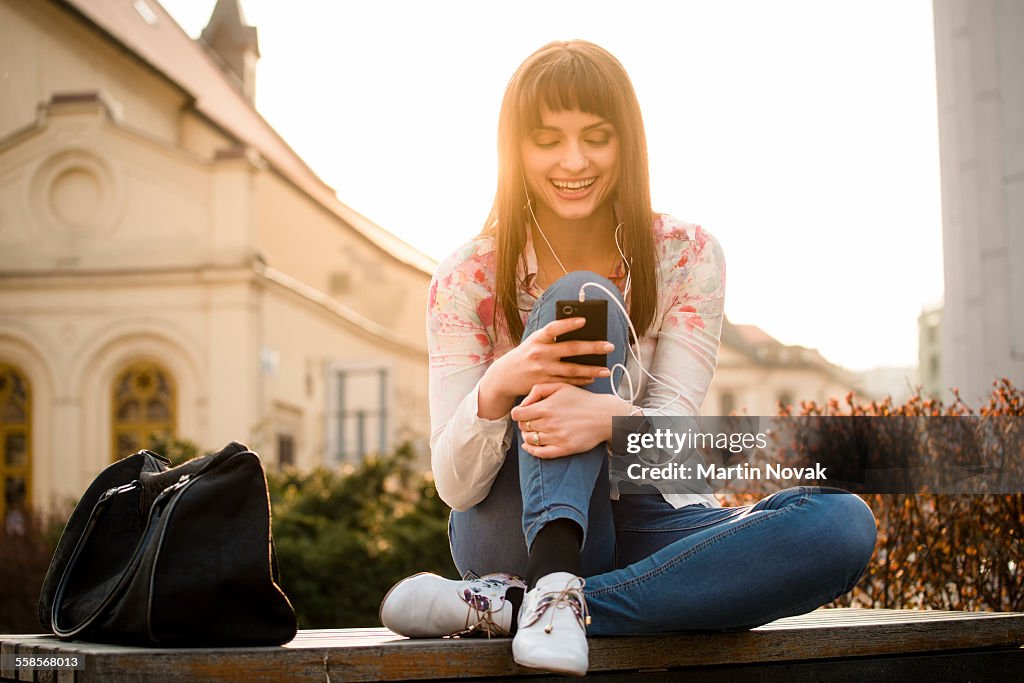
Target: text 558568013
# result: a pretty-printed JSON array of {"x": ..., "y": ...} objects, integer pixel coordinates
[{"x": 50, "y": 662}]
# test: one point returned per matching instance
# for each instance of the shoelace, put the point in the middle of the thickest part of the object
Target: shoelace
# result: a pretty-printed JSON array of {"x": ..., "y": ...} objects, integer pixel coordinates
[
  {"x": 484, "y": 623},
  {"x": 571, "y": 596},
  {"x": 480, "y": 608}
]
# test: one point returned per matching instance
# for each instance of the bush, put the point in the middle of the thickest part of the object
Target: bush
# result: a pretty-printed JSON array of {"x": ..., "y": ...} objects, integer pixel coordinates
[
  {"x": 954, "y": 552},
  {"x": 344, "y": 537},
  {"x": 26, "y": 553}
]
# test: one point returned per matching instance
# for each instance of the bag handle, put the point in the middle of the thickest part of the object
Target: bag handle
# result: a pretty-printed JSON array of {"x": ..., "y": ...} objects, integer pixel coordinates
[
  {"x": 97, "y": 513},
  {"x": 116, "y": 474},
  {"x": 184, "y": 474}
]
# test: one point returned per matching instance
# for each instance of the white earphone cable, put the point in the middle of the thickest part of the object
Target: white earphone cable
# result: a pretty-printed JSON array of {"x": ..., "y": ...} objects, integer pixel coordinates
[{"x": 637, "y": 354}]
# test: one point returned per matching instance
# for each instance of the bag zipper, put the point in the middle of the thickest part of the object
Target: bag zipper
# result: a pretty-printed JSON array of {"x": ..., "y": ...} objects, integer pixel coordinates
[
  {"x": 182, "y": 484},
  {"x": 118, "y": 490}
]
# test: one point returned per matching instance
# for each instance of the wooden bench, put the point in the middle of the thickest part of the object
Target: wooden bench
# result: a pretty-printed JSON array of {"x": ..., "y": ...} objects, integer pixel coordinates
[{"x": 838, "y": 644}]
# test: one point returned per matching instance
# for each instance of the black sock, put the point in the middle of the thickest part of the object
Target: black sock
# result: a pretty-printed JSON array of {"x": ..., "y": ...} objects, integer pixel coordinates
[
  {"x": 556, "y": 548},
  {"x": 515, "y": 597}
]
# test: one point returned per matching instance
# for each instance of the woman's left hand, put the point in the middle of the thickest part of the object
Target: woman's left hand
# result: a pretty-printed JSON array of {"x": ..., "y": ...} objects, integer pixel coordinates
[{"x": 565, "y": 419}]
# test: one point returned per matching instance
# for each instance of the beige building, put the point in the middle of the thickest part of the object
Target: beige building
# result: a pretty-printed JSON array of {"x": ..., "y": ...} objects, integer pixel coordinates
[
  {"x": 929, "y": 354},
  {"x": 756, "y": 373},
  {"x": 169, "y": 264},
  {"x": 979, "y": 62}
]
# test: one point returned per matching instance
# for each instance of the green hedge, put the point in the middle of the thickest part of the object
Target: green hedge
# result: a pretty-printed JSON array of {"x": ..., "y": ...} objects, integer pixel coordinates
[{"x": 343, "y": 538}]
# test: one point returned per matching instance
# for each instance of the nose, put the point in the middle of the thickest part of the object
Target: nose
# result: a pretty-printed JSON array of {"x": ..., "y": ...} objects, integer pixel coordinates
[{"x": 574, "y": 159}]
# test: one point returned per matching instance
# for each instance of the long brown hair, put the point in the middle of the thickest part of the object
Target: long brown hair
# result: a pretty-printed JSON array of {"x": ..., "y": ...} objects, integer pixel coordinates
[{"x": 561, "y": 76}]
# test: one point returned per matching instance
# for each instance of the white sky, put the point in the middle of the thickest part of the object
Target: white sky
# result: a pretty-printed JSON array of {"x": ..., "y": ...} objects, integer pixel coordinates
[{"x": 801, "y": 133}]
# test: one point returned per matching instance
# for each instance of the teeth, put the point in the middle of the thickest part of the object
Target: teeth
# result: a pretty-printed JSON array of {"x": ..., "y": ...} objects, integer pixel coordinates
[{"x": 573, "y": 185}]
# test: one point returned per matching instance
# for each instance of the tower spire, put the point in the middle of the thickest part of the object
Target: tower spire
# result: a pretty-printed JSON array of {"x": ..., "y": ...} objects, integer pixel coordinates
[{"x": 234, "y": 44}]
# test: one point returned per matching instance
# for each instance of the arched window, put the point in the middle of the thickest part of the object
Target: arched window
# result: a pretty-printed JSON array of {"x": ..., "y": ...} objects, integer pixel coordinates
[
  {"x": 143, "y": 407},
  {"x": 15, "y": 447}
]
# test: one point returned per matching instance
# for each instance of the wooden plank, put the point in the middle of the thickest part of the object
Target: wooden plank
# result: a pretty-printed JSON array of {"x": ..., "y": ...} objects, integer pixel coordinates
[
  {"x": 377, "y": 654},
  {"x": 988, "y": 665},
  {"x": 853, "y": 616}
]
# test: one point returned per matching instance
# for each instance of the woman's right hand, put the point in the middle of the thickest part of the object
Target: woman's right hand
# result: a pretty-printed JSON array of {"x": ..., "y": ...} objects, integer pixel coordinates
[{"x": 538, "y": 360}]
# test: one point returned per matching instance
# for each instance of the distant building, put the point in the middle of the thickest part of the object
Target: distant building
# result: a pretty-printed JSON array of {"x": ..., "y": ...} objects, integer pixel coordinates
[
  {"x": 979, "y": 54},
  {"x": 895, "y": 382},
  {"x": 756, "y": 373},
  {"x": 929, "y": 354},
  {"x": 168, "y": 264}
]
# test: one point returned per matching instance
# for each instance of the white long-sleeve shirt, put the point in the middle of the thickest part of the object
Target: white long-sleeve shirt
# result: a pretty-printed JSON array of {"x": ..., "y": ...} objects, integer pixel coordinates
[{"x": 680, "y": 349}]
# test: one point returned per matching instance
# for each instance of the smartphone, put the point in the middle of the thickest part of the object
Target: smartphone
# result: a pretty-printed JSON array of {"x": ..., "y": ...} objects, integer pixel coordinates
[{"x": 595, "y": 329}]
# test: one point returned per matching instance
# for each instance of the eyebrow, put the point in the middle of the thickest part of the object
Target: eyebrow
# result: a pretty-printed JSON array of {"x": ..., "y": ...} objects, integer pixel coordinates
[{"x": 585, "y": 128}]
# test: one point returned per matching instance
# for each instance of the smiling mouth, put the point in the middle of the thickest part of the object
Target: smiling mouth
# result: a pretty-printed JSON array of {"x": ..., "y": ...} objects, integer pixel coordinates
[{"x": 573, "y": 185}]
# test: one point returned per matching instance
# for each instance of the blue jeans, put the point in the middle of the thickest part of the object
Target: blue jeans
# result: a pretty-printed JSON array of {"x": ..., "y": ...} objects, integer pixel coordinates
[{"x": 649, "y": 566}]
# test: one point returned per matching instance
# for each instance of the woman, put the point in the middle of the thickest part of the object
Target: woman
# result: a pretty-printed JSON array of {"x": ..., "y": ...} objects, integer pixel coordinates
[{"x": 520, "y": 436}]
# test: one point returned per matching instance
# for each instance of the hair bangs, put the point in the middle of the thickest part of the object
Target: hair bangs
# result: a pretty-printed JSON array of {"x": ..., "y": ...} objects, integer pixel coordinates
[{"x": 564, "y": 84}]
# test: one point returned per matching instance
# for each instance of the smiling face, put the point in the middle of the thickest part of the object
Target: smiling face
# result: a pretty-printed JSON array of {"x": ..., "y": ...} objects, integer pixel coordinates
[
  {"x": 545, "y": 98},
  {"x": 571, "y": 166}
]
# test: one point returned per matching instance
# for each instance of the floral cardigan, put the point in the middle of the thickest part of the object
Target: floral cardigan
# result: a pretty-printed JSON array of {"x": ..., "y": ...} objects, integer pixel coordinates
[{"x": 681, "y": 349}]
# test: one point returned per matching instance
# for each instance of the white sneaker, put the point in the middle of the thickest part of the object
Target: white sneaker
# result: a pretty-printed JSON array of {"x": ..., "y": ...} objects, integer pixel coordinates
[
  {"x": 430, "y": 606},
  {"x": 553, "y": 622}
]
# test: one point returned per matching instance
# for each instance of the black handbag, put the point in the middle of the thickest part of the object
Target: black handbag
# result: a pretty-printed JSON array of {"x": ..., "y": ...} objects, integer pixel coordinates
[{"x": 177, "y": 557}]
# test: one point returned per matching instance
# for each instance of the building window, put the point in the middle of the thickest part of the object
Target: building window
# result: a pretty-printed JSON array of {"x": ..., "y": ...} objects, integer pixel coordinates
[
  {"x": 285, "y": 450},
  {"x": 358, "y": 413},
  {"x": 15, "y": 448},
  {"x": 728, "y": 403},
  {"x": 143, "y": 407}
]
